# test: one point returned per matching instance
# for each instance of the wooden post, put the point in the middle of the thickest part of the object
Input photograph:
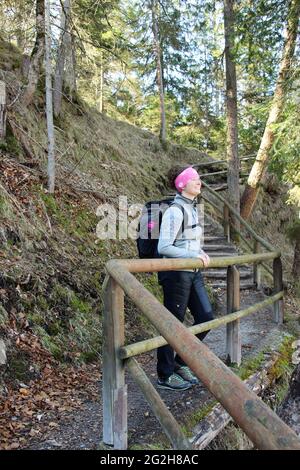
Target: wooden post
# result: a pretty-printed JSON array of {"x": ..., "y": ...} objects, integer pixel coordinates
[
  {"x": 278, "y": 287},
  {"x": 256, "y": 268},
  {"x": 233, "y": 334},
  {"x": 2, "y": 110},
  {"x": 114, "y": 388},
  {"x": 226, "y": 224}
]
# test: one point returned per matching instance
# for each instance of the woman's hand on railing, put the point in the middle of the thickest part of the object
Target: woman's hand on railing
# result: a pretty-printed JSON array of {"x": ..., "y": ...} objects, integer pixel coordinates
[{"x": 205, "y": 258}]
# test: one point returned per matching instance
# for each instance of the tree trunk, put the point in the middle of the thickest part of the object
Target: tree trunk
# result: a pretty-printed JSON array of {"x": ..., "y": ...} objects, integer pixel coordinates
[
  {"x": 296, "y": 263},
  {"x": 101, "y": 83},
  {"x": 2, "y": 110},
  {"x": 159, "y": 74},
  {"x": 253, "y": 184},
  {"x": 61, "y": 57},
  {"x": 70, "y": 86},
  {"x": 206, "y": 105},
  {"x": 49, "y": 105},
  {"x": 36, "y": 55},
  {"x": 233, "y": 164}
]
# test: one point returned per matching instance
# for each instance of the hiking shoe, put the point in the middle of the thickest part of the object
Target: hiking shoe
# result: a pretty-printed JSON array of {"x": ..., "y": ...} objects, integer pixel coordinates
[
  {"x": 187, "y": 375},
  {"x": 174, "y": 382}
]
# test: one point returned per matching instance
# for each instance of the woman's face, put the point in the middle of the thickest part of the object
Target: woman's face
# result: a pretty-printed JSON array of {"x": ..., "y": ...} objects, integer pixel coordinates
[{"x": 193, "y": 187}]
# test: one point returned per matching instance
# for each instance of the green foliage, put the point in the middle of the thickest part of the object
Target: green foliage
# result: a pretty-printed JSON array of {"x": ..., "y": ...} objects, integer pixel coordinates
[
  {"x": 197, "y": 416},
  {"x": 19, "y": 366},
  {"x": 3, "y": 316},
  {"x": 149, "y": 117},
  {"x": 11, "y": 144},
  {"x": 152, "y": 446},
  {"x": 285, "y": 161},
  {"x": 116, "y": 64},
  {"x": 283, "y": 366},
  {"x": 68, "y": 325},
  {"x": 249, "y": 366},
  {"x": 293, "y": 231},
  {"x": 285, "y": 158},
  {"x": 252, "y": 121},
  {"x": 79, "y": 305},
  {"x": 75, "y": 221},
  {"x": 53, "y": 208},
  {"x": 9, "y": 55},
  {"x": 212, "y": 295}
]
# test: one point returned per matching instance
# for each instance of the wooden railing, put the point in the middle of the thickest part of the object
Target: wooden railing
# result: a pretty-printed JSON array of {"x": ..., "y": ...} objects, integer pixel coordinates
[
  {"x": 225, "y": 211},
  {"x": 259, "y": 422}
]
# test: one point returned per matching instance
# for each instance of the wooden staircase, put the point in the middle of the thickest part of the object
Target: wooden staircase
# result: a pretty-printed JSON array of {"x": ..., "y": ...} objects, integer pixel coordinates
[{"x": 216, "y": 245}]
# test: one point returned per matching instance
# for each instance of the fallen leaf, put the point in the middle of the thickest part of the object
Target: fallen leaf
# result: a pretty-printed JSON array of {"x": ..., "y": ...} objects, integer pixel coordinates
[
  {"x": 14, "y": 445},
  {"x": 53, "y": 425}
]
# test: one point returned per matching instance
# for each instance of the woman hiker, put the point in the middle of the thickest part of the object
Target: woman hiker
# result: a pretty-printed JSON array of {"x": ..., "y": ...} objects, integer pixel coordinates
[{"x": 183, "y": 288}]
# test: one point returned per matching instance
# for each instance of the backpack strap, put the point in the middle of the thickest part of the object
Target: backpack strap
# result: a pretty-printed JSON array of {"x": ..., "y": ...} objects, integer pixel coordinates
[
  {"x": 180, "y": 231},
  {"x": 184, "y": 220}
]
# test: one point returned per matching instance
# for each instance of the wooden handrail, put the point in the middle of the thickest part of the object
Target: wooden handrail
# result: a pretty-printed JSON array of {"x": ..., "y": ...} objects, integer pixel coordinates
[{"x": 175, "y": 264}]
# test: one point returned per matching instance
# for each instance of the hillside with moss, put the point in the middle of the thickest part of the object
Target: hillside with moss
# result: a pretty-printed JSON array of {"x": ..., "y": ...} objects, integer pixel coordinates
[{"x": 52, "y": 264}]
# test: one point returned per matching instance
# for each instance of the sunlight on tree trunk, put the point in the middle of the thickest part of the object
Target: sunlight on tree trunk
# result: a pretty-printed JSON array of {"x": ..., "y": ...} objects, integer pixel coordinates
[
  {"x": 296, "y": 262},
  {"x": 159, "y": 75},
  {"x": 61, "y": 58},
  {"x": 36, "y": 55},
  {"x": 231, "y": 105},
  {"x": 49, "y": 104},
  {"x": 257, "y": 172},
  {"x": 2, "y": 110}
]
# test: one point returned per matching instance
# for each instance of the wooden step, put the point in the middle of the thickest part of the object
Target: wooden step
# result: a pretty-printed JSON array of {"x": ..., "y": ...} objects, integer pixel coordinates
[
  {"x": 214, "y": 238},
  {"x": 214, "y": 274},
  {"x": 242, "y": 268},
  {"x": 223, "y": 285},
  {"x": 219, "y": 254},
  {"x": 219, "y": 248},
  {"x": 210, "y": 233}
]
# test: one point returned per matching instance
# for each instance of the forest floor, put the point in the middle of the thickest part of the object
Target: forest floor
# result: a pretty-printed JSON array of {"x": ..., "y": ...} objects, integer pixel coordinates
[{"x": 63, "y": 410}]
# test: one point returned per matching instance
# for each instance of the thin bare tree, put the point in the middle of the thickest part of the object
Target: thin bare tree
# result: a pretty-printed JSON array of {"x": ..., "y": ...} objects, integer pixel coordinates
[
  {"x": 61, "y": 57},
  {"x": 2, "y": 110},
  {"x": 37, "y": 54},
  {"x": 49, "y": 104},
  {"x": 233, "y": 164},
  {"x": 159, "y": 73}
]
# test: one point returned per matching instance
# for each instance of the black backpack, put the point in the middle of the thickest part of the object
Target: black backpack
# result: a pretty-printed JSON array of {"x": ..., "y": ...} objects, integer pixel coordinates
[{"x": 149, "y": 226}]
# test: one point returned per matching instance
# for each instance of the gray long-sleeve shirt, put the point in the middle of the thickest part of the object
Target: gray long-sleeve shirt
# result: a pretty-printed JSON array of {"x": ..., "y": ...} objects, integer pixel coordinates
[{"x": 174, "y": 244}]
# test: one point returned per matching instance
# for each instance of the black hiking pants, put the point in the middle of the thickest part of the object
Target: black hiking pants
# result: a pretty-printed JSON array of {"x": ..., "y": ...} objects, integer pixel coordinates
[{"x": 182, "y": 289}]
